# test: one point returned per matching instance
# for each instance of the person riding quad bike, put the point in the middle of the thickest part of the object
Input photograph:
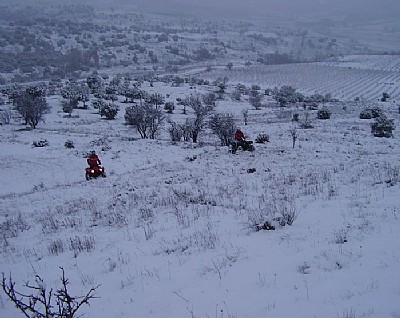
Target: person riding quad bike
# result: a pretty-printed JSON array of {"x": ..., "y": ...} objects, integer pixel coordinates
[
  {"x": 93, "y": 160},
  {"x": 240, "y": 141},
  {"x": 94, "y": 170}
]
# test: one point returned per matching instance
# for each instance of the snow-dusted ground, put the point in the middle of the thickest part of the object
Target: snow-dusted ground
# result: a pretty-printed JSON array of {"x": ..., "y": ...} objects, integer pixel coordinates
[
  {"x": 355, "y": 76},
  {"x": 169, "y": 232}
]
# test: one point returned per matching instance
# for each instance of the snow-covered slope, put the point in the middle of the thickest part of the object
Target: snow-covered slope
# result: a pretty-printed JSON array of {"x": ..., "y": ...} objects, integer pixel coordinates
[{"x": 171, "y": 231}]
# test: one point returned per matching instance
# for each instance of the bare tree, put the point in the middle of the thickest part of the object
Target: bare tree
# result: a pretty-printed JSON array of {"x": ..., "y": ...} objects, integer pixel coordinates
[
  {"x": 40, "y": 302},
  {"x": 201, "y": 112},
  {"x": 255, "y": 98},
  {"x": 245, "y": 113},
  {"x": 294, "y": 135}
]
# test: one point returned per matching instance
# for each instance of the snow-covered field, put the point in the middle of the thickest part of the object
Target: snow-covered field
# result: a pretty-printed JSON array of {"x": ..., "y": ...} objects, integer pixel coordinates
[
  {"x": 363, "y": 77},
  {"x": 170, "y": 232}
]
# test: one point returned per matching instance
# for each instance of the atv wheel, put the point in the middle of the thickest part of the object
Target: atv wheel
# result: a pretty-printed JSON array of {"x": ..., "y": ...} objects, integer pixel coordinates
[
  {"x": 103, "y": 175},
  {"x": 87, "y": 177}
]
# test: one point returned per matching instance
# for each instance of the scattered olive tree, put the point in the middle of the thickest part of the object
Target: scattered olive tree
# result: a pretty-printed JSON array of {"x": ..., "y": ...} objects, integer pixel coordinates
[
  {"x": 31, "y": 104},
  {"x": 147, "y": 120},
  {"x": 109, "y": 111},
  {"x": 287, "y": 95},
  {"x": 223, "y": 125}
]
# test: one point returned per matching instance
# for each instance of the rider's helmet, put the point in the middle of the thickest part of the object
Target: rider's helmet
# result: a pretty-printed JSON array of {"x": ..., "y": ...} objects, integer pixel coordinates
[{"x": 93, "y": 152}]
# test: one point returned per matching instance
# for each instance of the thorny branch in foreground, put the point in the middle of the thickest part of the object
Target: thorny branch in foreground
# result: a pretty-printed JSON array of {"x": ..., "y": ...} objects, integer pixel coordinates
[{"x": 39, "y": 302}]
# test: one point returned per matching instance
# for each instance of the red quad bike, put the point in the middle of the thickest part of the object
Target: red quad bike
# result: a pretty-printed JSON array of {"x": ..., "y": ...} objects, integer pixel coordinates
[
  {"x": 95, "y": 172},
  {"x": 246, "y": 145}
]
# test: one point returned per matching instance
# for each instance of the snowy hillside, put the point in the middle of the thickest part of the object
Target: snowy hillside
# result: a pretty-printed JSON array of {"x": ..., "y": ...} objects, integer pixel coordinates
[
  {"x": 363, "y": 77},
  {"x": 172, "y": 231}
]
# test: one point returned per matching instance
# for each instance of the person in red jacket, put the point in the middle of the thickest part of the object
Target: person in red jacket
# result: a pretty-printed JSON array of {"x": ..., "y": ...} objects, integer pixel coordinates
[
  {"x": 239, "y": 135},
  {"x": 93, "y": 160}
]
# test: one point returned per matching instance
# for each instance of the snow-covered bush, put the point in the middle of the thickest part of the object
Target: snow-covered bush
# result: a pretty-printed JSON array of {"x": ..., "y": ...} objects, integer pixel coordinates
[
  {"x": 383, "y": 127},
  {"x": 175, "y": 132},
  {"x": 369, "y": 113},
  {"x": 324, "y": 113},
  {"x": 306, "y": 123},
  {"x": 40, "y": 143},
  {"x": 385, "y": 97},
  {"x": 169, "y": 107},
  {"x": 69, "y": 144},
  {"x": 262, "y": 138}
]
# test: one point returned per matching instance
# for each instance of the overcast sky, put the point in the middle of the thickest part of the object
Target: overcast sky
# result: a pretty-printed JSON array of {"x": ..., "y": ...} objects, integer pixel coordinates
[
  {"x": 353, "y": 8},
  {"x": 342, "y": 7}
]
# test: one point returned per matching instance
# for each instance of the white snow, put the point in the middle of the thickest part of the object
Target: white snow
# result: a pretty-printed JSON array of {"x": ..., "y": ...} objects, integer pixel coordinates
[{"x": 168, "y": 232}]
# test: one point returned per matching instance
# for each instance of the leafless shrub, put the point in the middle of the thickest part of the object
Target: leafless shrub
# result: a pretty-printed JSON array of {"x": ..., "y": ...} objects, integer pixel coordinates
[
  {"x": 289, "y": 214},
  {"x": 148, "y": 231},
  {"x": 117, "y": 218},
  {"x": 205, "y": 239},
  {"x": 256, "y": 218},
  {"x": 392, "y": 174},
  {"x": 56, "y": 247},
  {"x": 12, "y": 226},
  {"x": 306, "y": 123},
  {"x": 295, "y": 135},
  {"x": 200, "y": 197},
  {"x": 349, "y": 313},
  {"x": 182, "y": 216},
  {"x": 79, "y": 245},
  {"x": 50, "y": 223},
  {"x": 177, "y": 245},
  {"x": 39, "y": 301},
  {"x": 262, "y": 138},
  {"x": 38, "y": 187},
  {"x": 146, "y": 214},
  {"x": 341, "y": 235},
  {"x": 69, "y": 144},
  {"x": 40, "y": 143},
  {"x": 66, "y": 216},
  {"x": 304, "y": 268}
]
